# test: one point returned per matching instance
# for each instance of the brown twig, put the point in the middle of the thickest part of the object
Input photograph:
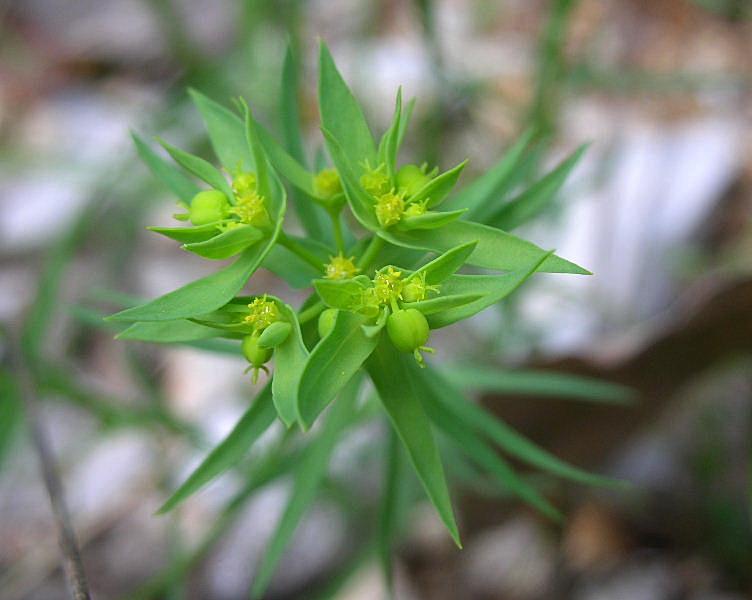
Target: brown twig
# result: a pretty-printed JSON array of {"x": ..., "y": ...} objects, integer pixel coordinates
[{"x": 72, "y": 564}]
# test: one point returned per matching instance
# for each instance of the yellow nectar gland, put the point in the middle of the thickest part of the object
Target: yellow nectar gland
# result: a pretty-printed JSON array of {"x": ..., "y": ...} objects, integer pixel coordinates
[
  {"x": 390, "y": 208},
  {"x": 263, "y": 313},
  {"x": 340, "y": 267},
  {"x": 327, "y": 183},
  {"x": 375, "y": 181},
  {"x": 250, "y": 208},
  {"x": 387, "y": 286}
]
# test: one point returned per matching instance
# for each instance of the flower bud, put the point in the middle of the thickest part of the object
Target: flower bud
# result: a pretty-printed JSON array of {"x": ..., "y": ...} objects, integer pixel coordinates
[
  {"x": 408, "y": 329},
  {"x": 410, "y": 179},
  {"x": 208, "y": 206},
  {"x": 326, "y": 321},
  {"x": 327, "y": 184}
]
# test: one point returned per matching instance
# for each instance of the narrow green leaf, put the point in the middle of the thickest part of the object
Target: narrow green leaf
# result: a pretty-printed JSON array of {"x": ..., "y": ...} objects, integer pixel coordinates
[
  {"x": 188, "y": 235},
  {"x": 285, "y": 164},
  {"x": 290, "y": 358},
  {"x": 389, "y": 141},
  {"x": 256, "y": 420},
  {"x": 225, "y": 133},
  {"x": 404, "y": 122},
  {"x": 537, "y": 197},
  {"x": 445, "y": 265},
  {"x": 491, "y": 288},
  {"x": 170, "y": 177},
  {"x": 494, "y": 183},
  {"x": 308, "y": 476},
  {"x": 333, "y": 362},
  {"x": 485, "y": 457},
  {"x": 361, "y": 203},
  {"x": 226, "y": 244},
  {"x": 200, "y": 168},
  {"x": 396, "y": 378},
  {"x": 11, "y": 414},
  {"x": 200, "y": 296},
  {"x": 430, "y": 220},
  {"x": 443, "y": 303},
  {"x": 167, "y": 332},
  {"x": 477, "y": 418},
  {"x": 341, "y": 114},
  {"x": 344, "y": 294},
  {"x": 496, "y": 249},
  {"x": 388, "y": 515},
  {"x": 437, "y": 189},
  {"x": 284, "y": 263},
  {"x": 539, "y": 383}
]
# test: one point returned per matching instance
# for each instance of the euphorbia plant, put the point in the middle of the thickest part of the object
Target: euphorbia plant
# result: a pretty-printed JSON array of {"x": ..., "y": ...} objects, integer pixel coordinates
[{"x": 382, "y": 260}]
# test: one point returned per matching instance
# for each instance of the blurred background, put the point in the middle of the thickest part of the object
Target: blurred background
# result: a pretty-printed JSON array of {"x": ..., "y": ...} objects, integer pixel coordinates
[{"x": 660, "y": 209}]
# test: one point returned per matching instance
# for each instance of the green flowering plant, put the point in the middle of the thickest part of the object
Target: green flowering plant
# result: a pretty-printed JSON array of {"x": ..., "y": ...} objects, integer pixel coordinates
[{"x": 379, "y": 284}]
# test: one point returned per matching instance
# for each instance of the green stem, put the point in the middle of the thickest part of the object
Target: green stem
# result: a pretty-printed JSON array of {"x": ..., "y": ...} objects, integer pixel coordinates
[
  {"x": 300, "y": 251},
  {"x": 311, "y": 312},
  {"x": 339, "y": 240},
  {"x": 374, "y": 247}
]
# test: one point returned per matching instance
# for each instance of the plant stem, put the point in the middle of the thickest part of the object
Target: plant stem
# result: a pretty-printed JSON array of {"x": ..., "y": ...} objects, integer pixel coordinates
[
  {"x": 310, "y": 313},
  {"x": 300, "y": 251},
  {"x": 339, "y": 240},
  {"x": 371, "y": 251}
]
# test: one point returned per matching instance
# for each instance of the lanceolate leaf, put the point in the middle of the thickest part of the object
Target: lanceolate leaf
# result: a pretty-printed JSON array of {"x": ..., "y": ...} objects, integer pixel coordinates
[
  {"x": 443, "y": 303},
  {"x": 495, "y": 248},
  {"x": 333, "y": 362},
  {"x": 200, "y": 296},
  {"x": 389, "y": 522},
  {"x": 188, "y": 235},
  {"x": 491, "y": 288},
  {"x": 447, "y": 264},
  {"x": 484, "y": 456},
  {"x": 430, "y": 220},
  {"x": 173, "y": 179},
  {"x": 490, "y": 188},
  {"x": 168, "y": 332},
  {"x": 437, "y": 189},
  {"x": 389, "y": 142},
  {"x": 285, "y": 164},
  {"x": 538, "y": 383},
  {"x": 477, "y": 418},
  {"x": 308, "y": 475},
  {"x": 225, "y": 133},
  {"x": 396, "y": 377},
  {"x": 234, "y": 447},
  {"x": 289, "y": 361},
  {"x": 341, "y": 114},
  {"x": 344, "y": 294},
  {"x": 226, "y": 244},
  {"x": 359, "y": 200},
  {"x": 200, "y": 168},
  {"x": 537, "y": 197}
]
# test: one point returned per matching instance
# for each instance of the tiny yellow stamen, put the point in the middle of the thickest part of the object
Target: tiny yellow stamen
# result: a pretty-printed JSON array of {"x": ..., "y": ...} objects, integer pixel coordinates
[
  {"x": 389, "y": 208},
  {"x": 263, "y": 313},
  {"x": 375, "y": 181},
  {"x": 388, "y": 285},
  {"x": 327, "y": 183},
  {"x": 340, "y": 267},
  {"x": 250, "y": 208}
]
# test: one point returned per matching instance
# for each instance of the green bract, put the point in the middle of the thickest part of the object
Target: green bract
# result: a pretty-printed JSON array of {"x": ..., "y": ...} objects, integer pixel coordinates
[{"x": 372, "y": 298}]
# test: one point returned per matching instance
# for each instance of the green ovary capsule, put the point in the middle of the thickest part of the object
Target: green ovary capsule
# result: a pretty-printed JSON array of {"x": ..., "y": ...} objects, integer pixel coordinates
[
  {"x": 256, "y": 355},
  {"x": 408, "y": 329},
  {"x": 208, "y": 206},
  {"x": 411, "y": 179},
  {"x": 326, "y": 321}
]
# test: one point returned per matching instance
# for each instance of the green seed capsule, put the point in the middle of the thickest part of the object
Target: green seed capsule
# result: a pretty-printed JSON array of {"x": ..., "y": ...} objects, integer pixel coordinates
[
  {"x": 411, "y": 179},
  {"x": 408, "y": 329},
  {"x": 208, "y": 206},
  {"x": 256, "y": 355},
  {"x": 326, "y": 321}
]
